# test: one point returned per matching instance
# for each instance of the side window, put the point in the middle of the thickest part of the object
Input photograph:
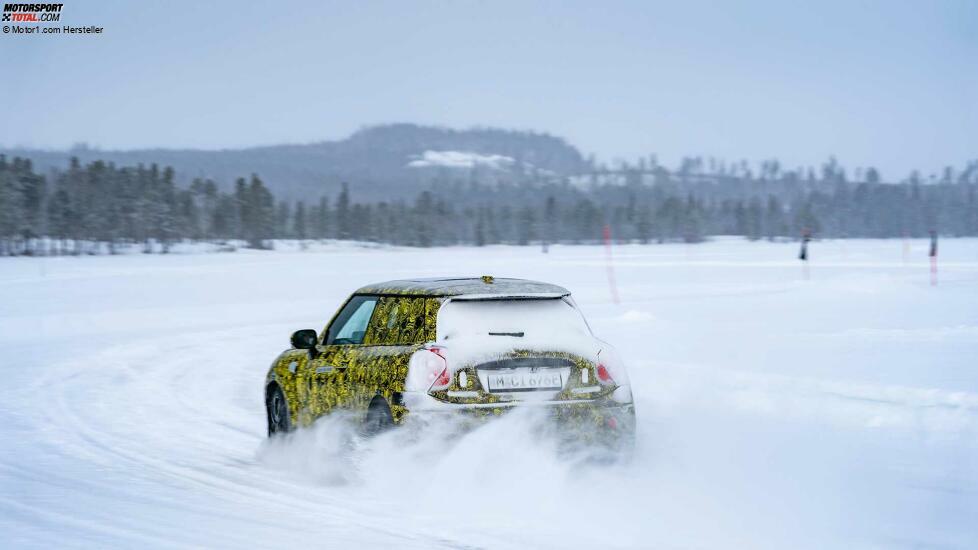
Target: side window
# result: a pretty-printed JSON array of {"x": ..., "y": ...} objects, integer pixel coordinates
[
  {"x": 350, "y": 326},
  {"x": 383, "y": 329},
  {"x": 398, "y": 321},
  {"x": 411, "y": 320},
  {"x": 431, "y": 306}
]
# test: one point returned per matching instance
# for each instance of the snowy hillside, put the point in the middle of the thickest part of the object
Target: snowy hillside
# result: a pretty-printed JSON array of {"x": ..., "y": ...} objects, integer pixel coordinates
[
  {"x": 376, "y": 161},
  {"x": 778, "y": 406}
]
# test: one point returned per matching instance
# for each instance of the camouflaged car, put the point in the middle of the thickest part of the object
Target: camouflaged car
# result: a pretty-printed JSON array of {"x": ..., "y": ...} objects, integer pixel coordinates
[{"x": 478, "y": 347}]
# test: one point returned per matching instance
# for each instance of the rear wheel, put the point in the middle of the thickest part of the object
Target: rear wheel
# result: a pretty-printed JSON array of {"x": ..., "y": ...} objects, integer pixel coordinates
[
  {"x": 277, "y": 409},
  {"x": 378, "y": 418}
]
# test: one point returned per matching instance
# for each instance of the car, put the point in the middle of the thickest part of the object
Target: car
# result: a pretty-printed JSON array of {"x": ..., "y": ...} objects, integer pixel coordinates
[{"x": 464, "y": 347}]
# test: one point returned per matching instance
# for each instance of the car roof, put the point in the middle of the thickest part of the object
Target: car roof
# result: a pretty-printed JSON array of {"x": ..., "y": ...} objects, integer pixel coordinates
[{"x": 466, "y": 286}]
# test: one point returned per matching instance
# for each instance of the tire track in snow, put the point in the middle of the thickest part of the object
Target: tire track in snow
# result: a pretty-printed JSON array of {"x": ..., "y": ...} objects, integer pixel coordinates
[{"x": 156, "y": 415}]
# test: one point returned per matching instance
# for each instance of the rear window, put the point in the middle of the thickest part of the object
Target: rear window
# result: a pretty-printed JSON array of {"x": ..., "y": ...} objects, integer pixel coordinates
[{"x": 530, "y": 319}]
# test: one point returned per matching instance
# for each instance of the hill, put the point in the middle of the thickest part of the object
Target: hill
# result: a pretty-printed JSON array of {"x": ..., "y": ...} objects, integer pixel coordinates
[{"x": 382, "y": 161}]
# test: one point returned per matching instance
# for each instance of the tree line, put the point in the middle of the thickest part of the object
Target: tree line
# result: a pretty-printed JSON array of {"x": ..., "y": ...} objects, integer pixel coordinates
[{"x": 99, "y": 207}]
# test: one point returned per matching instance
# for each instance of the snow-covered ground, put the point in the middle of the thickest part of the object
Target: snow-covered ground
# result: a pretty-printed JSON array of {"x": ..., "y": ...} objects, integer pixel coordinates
[{"x": 778, "y": 408}]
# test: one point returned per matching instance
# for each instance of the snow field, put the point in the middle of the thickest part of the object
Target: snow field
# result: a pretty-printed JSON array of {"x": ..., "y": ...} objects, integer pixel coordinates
[{"x": 833, "y": 406}]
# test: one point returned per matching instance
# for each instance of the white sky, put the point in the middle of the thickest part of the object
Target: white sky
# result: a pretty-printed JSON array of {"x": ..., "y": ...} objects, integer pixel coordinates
[{"x": 891, "y": 84}]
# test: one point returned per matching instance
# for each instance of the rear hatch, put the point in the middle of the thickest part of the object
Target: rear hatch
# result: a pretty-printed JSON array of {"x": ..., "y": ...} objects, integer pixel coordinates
[{"x": 516, "y": 349}]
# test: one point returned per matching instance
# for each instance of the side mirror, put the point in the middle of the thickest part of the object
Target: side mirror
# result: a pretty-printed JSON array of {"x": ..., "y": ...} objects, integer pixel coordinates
[{"x": 304, "y": 339}]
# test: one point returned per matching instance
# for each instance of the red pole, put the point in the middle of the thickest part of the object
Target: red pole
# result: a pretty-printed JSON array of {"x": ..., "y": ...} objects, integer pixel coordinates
[{"x": 606, "y": 233}]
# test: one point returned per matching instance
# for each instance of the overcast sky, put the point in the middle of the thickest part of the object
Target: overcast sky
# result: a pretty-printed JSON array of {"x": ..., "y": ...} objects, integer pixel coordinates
[{"x": 891, "y": 84}]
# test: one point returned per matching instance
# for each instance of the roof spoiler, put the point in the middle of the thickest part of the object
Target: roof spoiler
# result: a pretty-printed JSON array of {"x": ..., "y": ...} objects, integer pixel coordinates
[{"x": 514, "y": 296}]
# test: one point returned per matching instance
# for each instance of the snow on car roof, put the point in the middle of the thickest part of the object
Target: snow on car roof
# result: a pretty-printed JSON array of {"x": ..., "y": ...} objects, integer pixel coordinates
[{"x": 465, "y": 286}]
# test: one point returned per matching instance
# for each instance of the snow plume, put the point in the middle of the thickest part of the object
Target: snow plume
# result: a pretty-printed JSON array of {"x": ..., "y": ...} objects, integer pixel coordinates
[
  {"x": 460, "y": 159},
  {"x": 442, "y": 457},
  {"x": 510, "y": 484},
  {"x": 505, "y": 483}
]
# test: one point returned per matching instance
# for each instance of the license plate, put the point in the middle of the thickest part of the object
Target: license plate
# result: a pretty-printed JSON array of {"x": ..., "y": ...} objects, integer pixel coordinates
[{"x": 525, "y": 380}]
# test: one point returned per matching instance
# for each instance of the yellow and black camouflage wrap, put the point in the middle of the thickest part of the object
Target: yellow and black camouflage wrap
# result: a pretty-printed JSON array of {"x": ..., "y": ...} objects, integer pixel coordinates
[{"x": 350, "y": 377}]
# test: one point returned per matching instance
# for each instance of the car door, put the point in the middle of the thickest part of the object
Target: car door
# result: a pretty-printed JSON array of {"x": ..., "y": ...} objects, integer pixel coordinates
[
  {"x": 400, "y": 324},
  {"x": 330, "y": 370}
]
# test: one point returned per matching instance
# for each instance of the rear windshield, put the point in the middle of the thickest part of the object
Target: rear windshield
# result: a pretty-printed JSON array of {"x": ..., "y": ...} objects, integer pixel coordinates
[{"x": 530, "y": 319}]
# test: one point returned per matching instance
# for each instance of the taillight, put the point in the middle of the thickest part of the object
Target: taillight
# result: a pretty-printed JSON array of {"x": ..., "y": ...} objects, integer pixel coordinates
[
  {"x": 435, "y": 368},
  {"x": 442, "y": 381},
  {"x": 604, "y": 377},
  {"x": 610, "y": 369},
  {"x": 428, "y": 370}
]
